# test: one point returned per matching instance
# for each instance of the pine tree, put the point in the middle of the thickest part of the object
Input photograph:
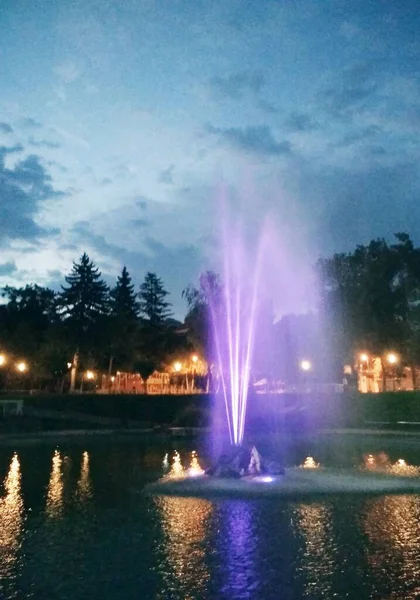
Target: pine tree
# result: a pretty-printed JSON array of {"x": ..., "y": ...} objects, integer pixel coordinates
[
  {"x": 123, "y": 323},
  {"x": 124, "y": 303},
  {"x": 153, "y": 306},
  {"x": 85, "y": 300}
]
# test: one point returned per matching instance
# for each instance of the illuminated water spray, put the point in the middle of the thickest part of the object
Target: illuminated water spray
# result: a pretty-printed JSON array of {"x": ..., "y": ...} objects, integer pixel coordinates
[{"x": 234, "y": 315}]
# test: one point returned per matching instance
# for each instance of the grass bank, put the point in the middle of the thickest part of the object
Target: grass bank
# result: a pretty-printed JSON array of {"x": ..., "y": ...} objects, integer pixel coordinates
[{"x": 396, "y": 410}]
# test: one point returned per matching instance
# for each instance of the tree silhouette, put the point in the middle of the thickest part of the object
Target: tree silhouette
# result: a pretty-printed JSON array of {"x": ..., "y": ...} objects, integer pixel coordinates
[
  {"x": 124, "y": 304},
  {"x": 153, "y": 306},
  {"x": 123, "y": 322},
  {"x": 84, "y": 304},
  {"x": 204, "y": 303}
]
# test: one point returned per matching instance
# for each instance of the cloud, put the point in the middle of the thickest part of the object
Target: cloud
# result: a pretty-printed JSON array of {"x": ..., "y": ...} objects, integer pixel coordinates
[
  {"x": 141, "y": 202},
  {"x": 68, "y": 72},
  {"x": 23, "y": 190},
  {"x": 10, "y": 150},
  {"x": 257, "y": 139},
  {"x": 8, "y": 268},
  {"x": 301, "y": 122},
  {"x": 43, "y": 143},
  {"x": 237, "y": 85},
  {"x": 5, "y": 128},
  {"x": 352, "y": 90},
  {"x": 361, "y": 135},
  {"x": 29, "y": 123},
  {"x": 179, "y": 265},
  {"x": 267, "y": 107},
  {"x": 167, "y": 175},
  {"x": 140, "y": 222}
]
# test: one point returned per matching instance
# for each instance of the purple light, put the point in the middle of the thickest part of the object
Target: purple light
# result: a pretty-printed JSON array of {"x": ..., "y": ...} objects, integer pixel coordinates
[
  {"x": 234, "y": 317},
  {"x": 266, "y": 479}
]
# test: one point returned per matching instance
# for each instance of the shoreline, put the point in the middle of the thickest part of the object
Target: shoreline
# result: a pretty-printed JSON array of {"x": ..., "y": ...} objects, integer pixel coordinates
[{"x": 183, "y": 433}]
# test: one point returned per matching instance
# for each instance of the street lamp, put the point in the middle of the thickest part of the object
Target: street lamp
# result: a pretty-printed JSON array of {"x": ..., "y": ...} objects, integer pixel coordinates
[
  {"x": 305, "y": 365},
  {"x": 21, "y": 367},
  {"x": 392, "y": 358},
  {"x": 3, "y": 360},
  {"x": 177, "y": 367},
  {"x": 194, "y": 358},
  {"x": 90, "y": 375},
  {"x": 364, "y": 358}
]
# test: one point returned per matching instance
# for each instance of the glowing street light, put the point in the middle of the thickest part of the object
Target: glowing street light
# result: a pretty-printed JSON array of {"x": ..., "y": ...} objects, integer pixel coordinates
[
  {"x": 392, "y": 358},
  {"x": 3, "y": 360},
  {"x": 177, "y": 367},
  {"x": 364, "y": 358},
  {"x": 90, "y": 375},
  {"x": 21, "y": 367},
  {"x": 194, "y": 358},
  {"x": 305, "y": 365}
]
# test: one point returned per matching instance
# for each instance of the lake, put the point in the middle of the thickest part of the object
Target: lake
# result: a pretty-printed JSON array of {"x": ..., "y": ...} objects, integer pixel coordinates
[{"x": 74, "y": 524}]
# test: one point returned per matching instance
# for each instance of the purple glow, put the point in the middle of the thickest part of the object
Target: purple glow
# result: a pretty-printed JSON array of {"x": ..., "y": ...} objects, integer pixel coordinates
[
  {"x": 263, "y": 276},
  {"x": 266, "y": 479},
  {"x": 234, "y": 315}
]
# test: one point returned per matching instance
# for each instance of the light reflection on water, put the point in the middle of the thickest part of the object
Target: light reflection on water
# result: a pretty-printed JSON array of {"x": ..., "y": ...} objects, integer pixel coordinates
[
  {"x": 185, "y": 527},
  {"x": 11, "y": 524},
  {"x": 92, "y": 534},
  {"x": 392, "y": 524},
  {"x": 54, "y": 504},
  {"x": 318, "y": 559},
  {"x": 84, "y": 483},
  {"x": 239, "y": 550}
]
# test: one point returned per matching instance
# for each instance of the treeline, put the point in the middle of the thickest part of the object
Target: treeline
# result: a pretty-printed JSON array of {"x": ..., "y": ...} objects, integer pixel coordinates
[
  {"x": 101, "y": 328},
  {"x": 369, "y": 302}
]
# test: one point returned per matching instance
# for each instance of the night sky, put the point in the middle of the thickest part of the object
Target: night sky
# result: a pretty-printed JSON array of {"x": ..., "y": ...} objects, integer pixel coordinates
[{"x": 121, "y": 121}]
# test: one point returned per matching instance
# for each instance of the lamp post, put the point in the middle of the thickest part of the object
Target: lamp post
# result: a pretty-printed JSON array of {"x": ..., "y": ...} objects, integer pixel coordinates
[
  {"x": 3, "y": 360},
  {"x": 306, "y": 367},
  {"x": 392, "y": 359},
  {"x": 363, "y": 366},
  {"x": 89, "y": 375},
  {"x": 194, "y": 360}
]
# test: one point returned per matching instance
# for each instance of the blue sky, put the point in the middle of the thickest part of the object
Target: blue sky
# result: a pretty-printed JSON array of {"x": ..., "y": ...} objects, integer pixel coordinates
[{"x": 120, "y": 122}]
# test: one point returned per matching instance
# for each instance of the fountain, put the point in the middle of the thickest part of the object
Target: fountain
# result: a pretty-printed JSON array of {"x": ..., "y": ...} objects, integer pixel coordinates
[{"x": 241, "y": 470}]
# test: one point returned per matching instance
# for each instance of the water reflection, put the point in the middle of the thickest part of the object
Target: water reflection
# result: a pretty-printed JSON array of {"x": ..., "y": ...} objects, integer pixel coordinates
[
  {"x": 392, "y": 524},
  {"x": 184, "y": 522},
  {"x": 318, "y": 554},
  {"x": 239, "y": 560},
  {"x": 84, "y": 483},
  {"x": 11, "y": 522},
  {"x": 55, "y": 487},
  {"x": 381, "y": 463}
]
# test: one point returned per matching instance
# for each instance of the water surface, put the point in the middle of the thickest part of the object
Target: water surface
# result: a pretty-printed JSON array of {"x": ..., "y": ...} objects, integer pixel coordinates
[{"x": 75, "y": 525}]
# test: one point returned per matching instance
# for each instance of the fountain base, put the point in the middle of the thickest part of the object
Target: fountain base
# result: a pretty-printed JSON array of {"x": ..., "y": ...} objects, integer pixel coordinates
[
  {"x": 240, "y": 461},
  {"x": 296, "y": 484}
]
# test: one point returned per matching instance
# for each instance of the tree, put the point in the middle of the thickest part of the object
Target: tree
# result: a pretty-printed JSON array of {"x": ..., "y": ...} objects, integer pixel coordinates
[
  {"x": 85, "y": 300},
  {"x": 366, "y": 294},
  {"x": 203, "y": 304},
  {"x": 124, "y": 303},
  {"x": 123, "y": 321},
  {"x": 84, "y": 305},
  {"x": 153, "y": 306},
  {"x": 29, "y": 313},
  {"x": 156, "y": 331}
]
